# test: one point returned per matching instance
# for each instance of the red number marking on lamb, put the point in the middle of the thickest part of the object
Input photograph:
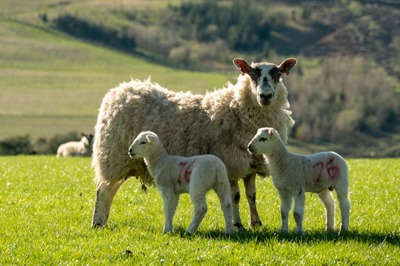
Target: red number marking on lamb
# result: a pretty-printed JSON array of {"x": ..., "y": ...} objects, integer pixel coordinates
[
  {"x": 188, "y": 172},
  {"x": 181, "y": 165},
  {"x": 321, "y": 165},
  {"x": 333, "y": 171}
]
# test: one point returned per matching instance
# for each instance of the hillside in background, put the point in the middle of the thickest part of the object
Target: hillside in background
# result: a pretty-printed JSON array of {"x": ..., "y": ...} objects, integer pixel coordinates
[{"x": 58, "y": 59}]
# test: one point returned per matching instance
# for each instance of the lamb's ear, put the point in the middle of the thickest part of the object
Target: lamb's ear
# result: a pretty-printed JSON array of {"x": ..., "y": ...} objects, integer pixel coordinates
[
  {"x": 242, "y": 65},
  {"x": 287, "y": 65},
  {"x": 271, "y": 132},
  {"x": 83, "y": 134},
  {"x": 150, "y": 139}
]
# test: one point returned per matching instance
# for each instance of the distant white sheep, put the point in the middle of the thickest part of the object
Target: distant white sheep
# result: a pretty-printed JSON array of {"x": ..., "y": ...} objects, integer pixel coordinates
[
  {"x": 77, "y": 148},
  {"x": 295, "y": 174},
  {"x": 174, "y": 175},
  {"x": 221, "y": 123}
]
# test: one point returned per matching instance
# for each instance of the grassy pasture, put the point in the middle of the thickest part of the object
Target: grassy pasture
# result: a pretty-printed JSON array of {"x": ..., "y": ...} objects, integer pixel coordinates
[
  {"x": 53, "y": 80},
  {"x": 46, "y": 205}
]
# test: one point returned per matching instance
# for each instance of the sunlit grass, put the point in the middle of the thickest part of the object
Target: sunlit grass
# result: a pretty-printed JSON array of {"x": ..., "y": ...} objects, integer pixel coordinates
[{"x": 46, "y": 206}]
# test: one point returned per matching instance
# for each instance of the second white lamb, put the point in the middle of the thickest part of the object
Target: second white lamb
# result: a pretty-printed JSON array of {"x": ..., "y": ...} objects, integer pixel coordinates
[
  {"x": 295, "y": 174},
  {"x": 174, "y": 175}
]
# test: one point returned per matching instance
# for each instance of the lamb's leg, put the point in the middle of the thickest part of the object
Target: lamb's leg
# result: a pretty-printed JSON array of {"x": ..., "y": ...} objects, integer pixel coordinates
[
  {"x": 235, "y": 193},
  {"x": 250, "y": 188},
  {"x": 111, "y": 197},
  {"x": 329, "y": 204},
  {"x": 298, "y": 211},
  {"x": 100, "y": 206},
  {"x": 170, "y": 202},
  {"x": 286, "y": 205},
  {"x": 199, "y": 210},
  {"x": 344, "y": 204},
  {"x": 226, "y": 206}
]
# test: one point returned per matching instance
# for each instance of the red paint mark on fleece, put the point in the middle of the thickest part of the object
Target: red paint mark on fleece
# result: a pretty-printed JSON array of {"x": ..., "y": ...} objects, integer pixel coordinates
[
  {"x": 187, "y": 172},
  {"x": 181, "y": 165},
  {"x": 333, "y": 171},
  {"x": 321, "y": 165}
]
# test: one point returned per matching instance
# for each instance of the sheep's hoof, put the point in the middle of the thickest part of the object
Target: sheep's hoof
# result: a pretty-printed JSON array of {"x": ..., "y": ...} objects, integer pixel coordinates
[
  {"x": 188, "y": 234},
  {"x": 97, "y": 225},
  {"x": 239, "y": 226},
  {"x": 284, "y": 232},
  {"x": 229, "y": 232},
  {"x": 256, "y": 224},
  {"x": 300, "y": 233},
  {"x": 343, "y": 232}
]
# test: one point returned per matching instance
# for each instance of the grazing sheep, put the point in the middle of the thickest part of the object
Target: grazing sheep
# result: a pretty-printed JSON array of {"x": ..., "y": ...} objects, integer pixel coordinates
[
  {"x": 174, "y": 175},
  {"x": 220, "y": 123},
  {"x": 77, "y": 148},
  {"x": 295, "y": 174}
]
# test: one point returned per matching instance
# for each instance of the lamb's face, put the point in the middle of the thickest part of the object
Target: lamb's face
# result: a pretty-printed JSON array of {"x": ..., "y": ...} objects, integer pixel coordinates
[
  {"x": 265, "y": 78},
  {"x": 142, "y": 145},
  {"x": 263, "y": 140}
]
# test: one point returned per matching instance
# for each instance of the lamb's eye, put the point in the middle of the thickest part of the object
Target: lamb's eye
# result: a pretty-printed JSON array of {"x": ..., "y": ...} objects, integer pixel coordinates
[
  {"x": 263, "y": 139},
  {"x": 142, "y": 143}
]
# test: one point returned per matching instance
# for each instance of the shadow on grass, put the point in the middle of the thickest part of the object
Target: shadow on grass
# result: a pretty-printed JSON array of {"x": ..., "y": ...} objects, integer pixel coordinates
[{"x": 264, "y": 235}]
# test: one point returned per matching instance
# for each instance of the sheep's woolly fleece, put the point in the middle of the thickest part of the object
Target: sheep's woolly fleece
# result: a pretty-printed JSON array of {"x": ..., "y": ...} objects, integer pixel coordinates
[{"x": 220, "y": 123}]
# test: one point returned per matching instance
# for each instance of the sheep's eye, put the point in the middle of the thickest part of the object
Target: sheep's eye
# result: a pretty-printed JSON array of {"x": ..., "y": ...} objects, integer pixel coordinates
[
  {"x": 263, "y": 139},
  {"x": 141, "y": 143}
]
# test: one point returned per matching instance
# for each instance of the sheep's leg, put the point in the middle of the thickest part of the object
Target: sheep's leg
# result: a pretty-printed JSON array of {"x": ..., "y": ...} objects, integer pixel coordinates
[
  {"x": 100, "y": 206},
  {"x": 286, "y": 205},
  {"x": 235, "y": 193},
  {"x": 298, "y": 211},
  {"x": 344, "y": 204},
  {"x": 329, "y": 203},
  {"x": 170, "y": 202},
  {"x": 226, "y": 206},
  {"x": 199, "y": 210},
  {"x": 250, "y": 188},
  {"x": 111, "y": 197}
]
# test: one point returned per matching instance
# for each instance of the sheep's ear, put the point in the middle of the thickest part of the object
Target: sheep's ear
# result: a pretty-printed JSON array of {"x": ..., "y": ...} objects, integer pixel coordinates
[
  {"x": 242, "y": 65},
  {"x": 150, "y": 139},
  {"x": 83, "y": 134},
  {"x": 287, "y": 65}
]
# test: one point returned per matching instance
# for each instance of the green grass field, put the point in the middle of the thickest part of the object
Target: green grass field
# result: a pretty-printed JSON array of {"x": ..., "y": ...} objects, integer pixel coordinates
[
  {"x": 46, "y": 206},
  {"x": 51, "y": 83}
]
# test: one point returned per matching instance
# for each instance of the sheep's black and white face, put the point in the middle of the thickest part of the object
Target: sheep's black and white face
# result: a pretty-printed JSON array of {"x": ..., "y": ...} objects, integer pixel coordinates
[{"x": 265, "y": 78}]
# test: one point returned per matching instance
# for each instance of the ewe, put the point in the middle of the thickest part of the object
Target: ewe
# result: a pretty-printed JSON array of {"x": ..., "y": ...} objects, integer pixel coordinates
[
  {"x": 77, "y": 148},
  {"x": 174, "y": 175},
  {"x": 221, "y": 123},
  {"x": 295, "y": 174}
]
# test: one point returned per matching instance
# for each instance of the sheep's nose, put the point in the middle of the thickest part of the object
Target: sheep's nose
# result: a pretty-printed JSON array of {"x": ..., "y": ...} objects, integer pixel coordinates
[{"x": 267, "y": 96}]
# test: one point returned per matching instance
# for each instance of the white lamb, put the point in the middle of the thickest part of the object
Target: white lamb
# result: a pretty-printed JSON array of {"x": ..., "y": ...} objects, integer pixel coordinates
[
  {"x": 174, "y": 175},
  {"x": 295, "y": 174},
  {"x": 77, "y": 148}
]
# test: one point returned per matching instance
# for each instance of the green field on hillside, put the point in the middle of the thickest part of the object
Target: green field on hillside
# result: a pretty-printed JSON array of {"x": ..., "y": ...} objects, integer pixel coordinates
[
  {"x": 52, "y": 84},
  {"x": 46, "y": 206}
]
